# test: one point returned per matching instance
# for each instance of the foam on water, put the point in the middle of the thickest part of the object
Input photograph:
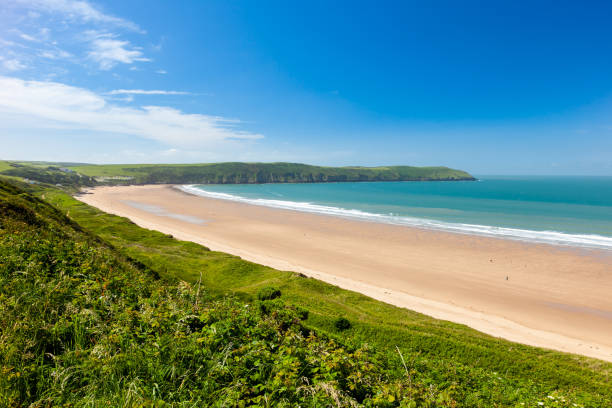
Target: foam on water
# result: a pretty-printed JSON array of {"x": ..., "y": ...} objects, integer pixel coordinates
[{"x": 548, "y": 237}]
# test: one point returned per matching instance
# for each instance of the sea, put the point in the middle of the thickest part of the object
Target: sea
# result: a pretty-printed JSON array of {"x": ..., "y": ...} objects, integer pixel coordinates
[{"x": 559, "y": 210}]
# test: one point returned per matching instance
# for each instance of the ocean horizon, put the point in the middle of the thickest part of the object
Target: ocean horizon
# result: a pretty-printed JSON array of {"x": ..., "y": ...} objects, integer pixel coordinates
[{"x": 562, "y": 210}]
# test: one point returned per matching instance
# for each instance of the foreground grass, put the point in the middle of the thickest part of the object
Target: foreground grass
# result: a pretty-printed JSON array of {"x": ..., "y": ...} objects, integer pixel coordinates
[
  {"x": 85, "y": 326},
  {"x": 454, "y": 361}
]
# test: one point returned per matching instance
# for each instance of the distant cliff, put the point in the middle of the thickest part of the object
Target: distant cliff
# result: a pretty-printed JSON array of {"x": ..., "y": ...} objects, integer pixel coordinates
[
  {"x": 253, "y": 173},
  {"x": 220, "y": 173}
]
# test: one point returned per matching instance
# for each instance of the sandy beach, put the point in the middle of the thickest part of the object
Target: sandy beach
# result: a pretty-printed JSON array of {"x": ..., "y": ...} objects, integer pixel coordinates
[{"x": 548, "y": 296}]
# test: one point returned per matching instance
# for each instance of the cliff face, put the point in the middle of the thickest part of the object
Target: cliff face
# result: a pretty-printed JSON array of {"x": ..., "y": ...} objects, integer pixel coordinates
[
  {"x": 252, "y": 173},
  {"x": 225, "y": 173}
]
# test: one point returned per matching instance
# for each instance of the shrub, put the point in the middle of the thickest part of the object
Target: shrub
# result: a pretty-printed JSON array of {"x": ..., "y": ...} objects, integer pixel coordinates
[
  {"x": 342, "y": 324},
  {"x": 302, "y": 313},
  {"x": 268, "y": 293}
]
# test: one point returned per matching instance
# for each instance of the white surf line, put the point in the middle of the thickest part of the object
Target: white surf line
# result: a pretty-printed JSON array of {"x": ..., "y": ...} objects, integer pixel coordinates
[{"x": 542, "y": 237}]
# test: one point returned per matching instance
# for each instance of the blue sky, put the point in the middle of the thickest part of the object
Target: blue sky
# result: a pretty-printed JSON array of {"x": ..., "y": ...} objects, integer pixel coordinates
[{"x": 492, "y": 88}]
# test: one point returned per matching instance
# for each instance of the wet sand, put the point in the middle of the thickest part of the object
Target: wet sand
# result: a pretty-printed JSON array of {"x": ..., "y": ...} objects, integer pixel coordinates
[{"x": 542, "y": 295}]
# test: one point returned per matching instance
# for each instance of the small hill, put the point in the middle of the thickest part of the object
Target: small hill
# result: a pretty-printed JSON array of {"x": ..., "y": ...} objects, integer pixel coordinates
[{"x": 244, "y": 173}]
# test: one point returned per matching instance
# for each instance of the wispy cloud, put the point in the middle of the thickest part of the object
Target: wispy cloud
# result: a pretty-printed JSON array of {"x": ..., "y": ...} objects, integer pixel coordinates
[
  {"x": 8, "y": 43},
  {"x": 12, "y": 64},
  {"x": 81, "y": 28},
  {"x": 108, "y": 51},
  {"x": 27, "y": 37},
  {"x": 77, "y": 10},
  {"x": 55, "y": 54},
  {"x": 34, "y": 105},
  {"x": 41, "y": 35},
  {"x": 146, "y": 92}
]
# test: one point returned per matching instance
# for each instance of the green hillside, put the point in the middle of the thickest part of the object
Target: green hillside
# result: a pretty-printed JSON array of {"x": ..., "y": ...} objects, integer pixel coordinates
[
  {"x": 99, "y": 312},
  {"x": 220, "y": 173},
  {"x": 44, "y": 173},
  {"x": 83, "y": 325},
  {"x": 4, "y": 166}
]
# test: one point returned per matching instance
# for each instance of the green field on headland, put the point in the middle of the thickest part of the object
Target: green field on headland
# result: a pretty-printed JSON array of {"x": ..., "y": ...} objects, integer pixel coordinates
[
  {"x": 221, "y": 173},
  {"x": 96, "y": 310}
]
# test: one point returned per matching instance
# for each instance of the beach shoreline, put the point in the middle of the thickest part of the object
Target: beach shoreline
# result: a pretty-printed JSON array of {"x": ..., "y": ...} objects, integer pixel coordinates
[
  {"x": 544, "y": 234},
  {"x": 534, "y": 294}
]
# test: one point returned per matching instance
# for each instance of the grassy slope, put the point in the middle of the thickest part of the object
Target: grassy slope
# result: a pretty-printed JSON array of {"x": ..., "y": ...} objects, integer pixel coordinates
[
  {"x": 42, "y": 172},
  {"x": 81, "y": 325},
  {"x": 4, "y": 166},
  {"x": 265, "y": 172},
  {"x": 482, "y": 370}
]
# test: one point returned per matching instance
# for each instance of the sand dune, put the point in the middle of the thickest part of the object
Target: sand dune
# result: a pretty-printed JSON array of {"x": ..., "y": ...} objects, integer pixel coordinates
[{"x": 547, "y": 296}]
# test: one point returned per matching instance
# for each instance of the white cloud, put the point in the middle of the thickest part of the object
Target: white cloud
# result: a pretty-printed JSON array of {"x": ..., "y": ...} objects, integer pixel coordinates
[
  {"x": 55, "y": 54},
  {"x": 170, "y": 152},
  {"x": 108, "y": 51},
  {"x": 27, "y": 37},
  {"x": 13, "y": 64},
  {"x": 78, "y": 10},
  {"x": 93, "y": 35},
  {"x": 161, "y": 71},
  {"x": 37, "y": 106},
  {"x": 7, "y": 43},
  {"x": 146, "y": 92}
]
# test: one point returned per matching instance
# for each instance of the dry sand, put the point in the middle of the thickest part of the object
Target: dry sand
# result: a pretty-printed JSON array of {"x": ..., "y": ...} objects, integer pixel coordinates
[{"x": 541, "y": 295}]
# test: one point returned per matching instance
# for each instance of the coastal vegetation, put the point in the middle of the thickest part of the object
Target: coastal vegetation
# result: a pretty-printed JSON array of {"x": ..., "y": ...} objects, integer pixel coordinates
[
  {"x": 49, "y": 174},
  {"x": 225, "y": 173},
  {"x": 83, "y": 325},
  {"x": 97, "y": 311}
]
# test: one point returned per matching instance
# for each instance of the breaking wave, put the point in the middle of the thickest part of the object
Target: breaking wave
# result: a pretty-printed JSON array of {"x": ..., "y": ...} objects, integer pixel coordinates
[{"x": 547, "y": 237}]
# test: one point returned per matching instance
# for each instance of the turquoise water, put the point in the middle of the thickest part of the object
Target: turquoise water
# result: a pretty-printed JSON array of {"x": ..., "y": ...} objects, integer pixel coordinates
[{"x": 561, "y": 210}]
